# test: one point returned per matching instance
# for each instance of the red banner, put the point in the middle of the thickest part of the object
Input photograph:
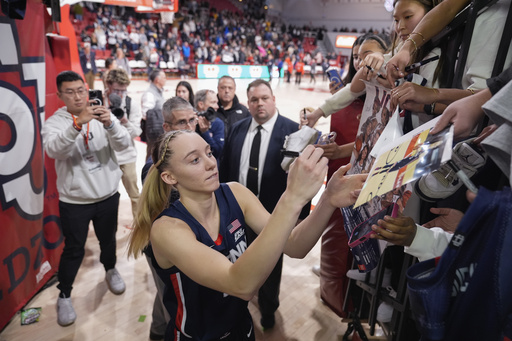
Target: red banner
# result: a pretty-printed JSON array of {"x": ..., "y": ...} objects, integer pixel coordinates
[{"x": 30, "y": 236}]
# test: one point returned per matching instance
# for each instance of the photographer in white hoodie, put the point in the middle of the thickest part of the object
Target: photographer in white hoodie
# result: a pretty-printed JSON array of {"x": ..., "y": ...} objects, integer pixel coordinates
[{"x": 83, "y": 139}]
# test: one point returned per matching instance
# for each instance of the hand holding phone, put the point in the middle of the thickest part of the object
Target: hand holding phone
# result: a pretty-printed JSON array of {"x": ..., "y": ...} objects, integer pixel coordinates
[{"x": 334, "y": 76}]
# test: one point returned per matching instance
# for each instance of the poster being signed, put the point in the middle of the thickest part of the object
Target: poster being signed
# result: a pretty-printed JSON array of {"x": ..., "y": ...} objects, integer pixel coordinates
[{"x": 407, "y": 159}]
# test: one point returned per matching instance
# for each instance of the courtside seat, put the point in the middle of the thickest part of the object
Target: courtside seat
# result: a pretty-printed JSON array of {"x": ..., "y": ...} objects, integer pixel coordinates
[
  {"x": 133, "y": 64},
  {"x": 100, "y": 63}
]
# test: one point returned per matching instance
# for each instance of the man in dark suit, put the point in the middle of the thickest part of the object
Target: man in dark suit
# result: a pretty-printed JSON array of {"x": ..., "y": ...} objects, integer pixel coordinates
[{"x": 268, "y": 180}]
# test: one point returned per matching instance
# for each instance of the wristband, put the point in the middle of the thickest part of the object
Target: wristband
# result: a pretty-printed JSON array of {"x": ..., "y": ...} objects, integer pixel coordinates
[
  {"x": 76, "y": 125},
  {"x": 427, "y": 108}
]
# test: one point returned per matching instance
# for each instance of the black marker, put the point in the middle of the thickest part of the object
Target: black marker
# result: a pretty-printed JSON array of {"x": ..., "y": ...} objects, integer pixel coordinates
[
  {"x": 418, "y": 64},
  {"x": 373, "y": 70},
  {"x": 290, "y": 153},
  {"x": 463, "y": 177}
]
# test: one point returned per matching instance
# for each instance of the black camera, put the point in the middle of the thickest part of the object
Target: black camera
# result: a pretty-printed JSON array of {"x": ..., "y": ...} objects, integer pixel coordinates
[
  {"x": 209, "y": 114},
  {"x": 115, "y": 105}
]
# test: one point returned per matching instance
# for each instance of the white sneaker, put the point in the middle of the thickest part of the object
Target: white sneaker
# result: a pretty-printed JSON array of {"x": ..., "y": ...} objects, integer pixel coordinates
[
  {"x": 356, "y": 275},
  {"x": 296, "y": 142},
  {"x": 65, "y": 312},
  {"x": 115, "y": 282},
  {"x": 361, "y": 276},
  {"x": 443, "y": 182},
  {"x": 384, "y": 312}
]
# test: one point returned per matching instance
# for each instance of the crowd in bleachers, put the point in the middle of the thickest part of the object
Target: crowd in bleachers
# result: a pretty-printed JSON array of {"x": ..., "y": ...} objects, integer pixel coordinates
[{"x": 198, "y": 33}]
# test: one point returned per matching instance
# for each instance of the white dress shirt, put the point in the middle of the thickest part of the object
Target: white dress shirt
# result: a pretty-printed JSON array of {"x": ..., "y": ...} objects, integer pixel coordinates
[{"x": 266, "y": 132}]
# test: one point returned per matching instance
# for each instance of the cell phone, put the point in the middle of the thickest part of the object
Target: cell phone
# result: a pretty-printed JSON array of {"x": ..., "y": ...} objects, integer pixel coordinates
[
  {"x": 334, "y": 76},
  {"x": 363, "y": 231},
  {"x": 96, "y": 96}
]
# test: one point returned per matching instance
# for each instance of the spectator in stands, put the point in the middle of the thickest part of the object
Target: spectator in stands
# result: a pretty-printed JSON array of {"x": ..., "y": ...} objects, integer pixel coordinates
[
  {"x": 102, "y": 37},
  {"x": 185, "y": 91},
  {"x": 230, "y": 109},
  {"x": 210, "y": 127},
  {"x": 186, "y": 51},
  {"x": 135, "y": 39},
  {"x": 111, "y": 39},
  {"x": 123, "y": 63},
  {"x": 183, "y": 68},
  {"x": 176, "y": 55},
  {"x": 128, "y": 113},
  {"x": 88, "y": 64},
  {"x": 87, "y": 180},
  {"x": 154, "y": 60},
  {"x": 143, "y": 39}
]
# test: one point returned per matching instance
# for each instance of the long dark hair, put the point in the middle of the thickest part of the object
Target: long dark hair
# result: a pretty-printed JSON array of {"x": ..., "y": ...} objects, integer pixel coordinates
[
  {"x": 424, "y": 50},
  {"x": 351, "y": 69},
  {"x": 190, "y": 91}
]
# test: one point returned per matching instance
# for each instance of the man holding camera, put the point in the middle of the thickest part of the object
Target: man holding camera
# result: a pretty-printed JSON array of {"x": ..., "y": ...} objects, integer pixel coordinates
[
  {"x": 209, "y": 126},
  {"x": 82, "y": 138},
  {"x": 121, "y": 105}
]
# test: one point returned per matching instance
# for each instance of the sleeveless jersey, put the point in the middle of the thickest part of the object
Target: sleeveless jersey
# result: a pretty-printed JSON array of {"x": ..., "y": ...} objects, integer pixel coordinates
[{"x": 198, "y": 312}]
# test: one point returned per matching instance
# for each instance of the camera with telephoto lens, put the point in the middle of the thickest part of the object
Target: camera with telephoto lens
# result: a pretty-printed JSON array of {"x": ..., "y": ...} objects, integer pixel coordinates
[
  {"x": 209, "y": 114},
  {"x": 115, "y": 105}
]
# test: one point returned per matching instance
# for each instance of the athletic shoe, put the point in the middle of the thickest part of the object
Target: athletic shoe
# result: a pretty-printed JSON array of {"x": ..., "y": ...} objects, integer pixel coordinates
[
  {"x": 268, "y": 321},
  {"x": 115, "y": 282},
  {"x": 385, "y": 310},
  {"x": 316, "y": 269},
  {"x": 65, "y": 312},
  {"x": 155, "y": 337},
  {"x": 442, "y": 183},
  {"x": 361, "y": 276},
  {"x": 357, "y": 276},
  {"x": 296, "y": 142}
]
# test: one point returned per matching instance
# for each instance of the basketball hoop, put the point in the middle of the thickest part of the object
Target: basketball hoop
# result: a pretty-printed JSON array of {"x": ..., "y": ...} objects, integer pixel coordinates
[{"x": 167, "y": 17}]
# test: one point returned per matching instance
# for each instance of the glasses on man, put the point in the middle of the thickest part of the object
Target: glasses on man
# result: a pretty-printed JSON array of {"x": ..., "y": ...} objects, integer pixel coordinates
[
  {"x": 183, "y": 124},
  {"x": 72, "y": 93},
  {"x": 120, "y": 92}
]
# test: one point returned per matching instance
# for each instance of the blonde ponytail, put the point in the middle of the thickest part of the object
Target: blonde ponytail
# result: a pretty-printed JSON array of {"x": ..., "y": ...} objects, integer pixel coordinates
[{"x": 154, "y": 197}]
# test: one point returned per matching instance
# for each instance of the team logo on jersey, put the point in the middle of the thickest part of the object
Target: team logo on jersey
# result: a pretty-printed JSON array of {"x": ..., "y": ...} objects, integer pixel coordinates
[
  {"x": 239, "y": 234},
  {"x": 462, "y": 279}
]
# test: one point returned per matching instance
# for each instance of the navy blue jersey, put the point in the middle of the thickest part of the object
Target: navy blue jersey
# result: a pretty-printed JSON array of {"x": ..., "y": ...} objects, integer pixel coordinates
[{"x": 198, "y": 312}]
